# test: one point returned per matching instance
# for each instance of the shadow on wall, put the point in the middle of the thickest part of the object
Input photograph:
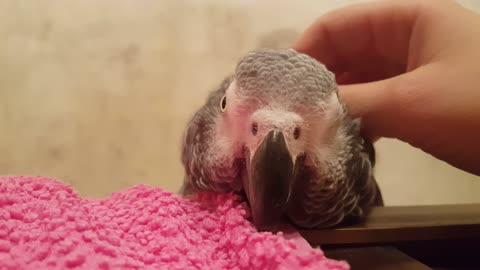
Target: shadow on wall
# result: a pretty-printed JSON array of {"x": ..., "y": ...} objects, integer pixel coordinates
[{"x": 278, "y": 39}]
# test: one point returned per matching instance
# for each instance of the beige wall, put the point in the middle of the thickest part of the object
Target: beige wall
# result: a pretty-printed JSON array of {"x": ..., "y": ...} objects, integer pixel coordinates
[{"x": 97, "y": 93}]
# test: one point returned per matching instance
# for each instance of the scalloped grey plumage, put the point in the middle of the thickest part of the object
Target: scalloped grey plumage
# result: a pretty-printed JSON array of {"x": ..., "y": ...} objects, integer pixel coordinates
[{"x": 334, "y": 192}]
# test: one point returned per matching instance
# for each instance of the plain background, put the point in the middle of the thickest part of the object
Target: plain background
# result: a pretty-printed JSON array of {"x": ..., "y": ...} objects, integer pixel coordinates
[{"x": 98, "y": 93}]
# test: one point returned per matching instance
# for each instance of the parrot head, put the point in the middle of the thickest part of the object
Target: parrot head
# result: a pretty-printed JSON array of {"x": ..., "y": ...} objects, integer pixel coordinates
[{"x": 276, "y": 131}]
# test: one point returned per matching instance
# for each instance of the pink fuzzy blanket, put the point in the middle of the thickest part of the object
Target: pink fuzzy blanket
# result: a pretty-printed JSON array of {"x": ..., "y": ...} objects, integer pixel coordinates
[{"x": 45, "y": 224}]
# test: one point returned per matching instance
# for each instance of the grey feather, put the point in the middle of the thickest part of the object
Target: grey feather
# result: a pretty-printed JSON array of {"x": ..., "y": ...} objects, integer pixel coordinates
[
  {"x": 343, "y": 188},
  {"x": 196, "y": 143}
]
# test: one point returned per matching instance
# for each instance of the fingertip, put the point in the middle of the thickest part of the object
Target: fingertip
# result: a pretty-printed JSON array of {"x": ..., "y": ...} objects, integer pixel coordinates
[{"x": 315, "y": 41}]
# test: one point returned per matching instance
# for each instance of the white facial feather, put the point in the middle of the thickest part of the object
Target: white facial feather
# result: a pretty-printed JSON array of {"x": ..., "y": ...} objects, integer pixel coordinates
[{"x": 327, "y": 133}]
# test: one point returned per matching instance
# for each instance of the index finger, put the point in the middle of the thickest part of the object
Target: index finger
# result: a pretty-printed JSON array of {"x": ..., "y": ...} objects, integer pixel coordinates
[{"x": 341, "y": 37}]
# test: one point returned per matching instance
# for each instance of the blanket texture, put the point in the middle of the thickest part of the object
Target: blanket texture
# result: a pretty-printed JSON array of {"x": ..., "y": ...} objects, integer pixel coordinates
[{"x": 45, "y": 224}]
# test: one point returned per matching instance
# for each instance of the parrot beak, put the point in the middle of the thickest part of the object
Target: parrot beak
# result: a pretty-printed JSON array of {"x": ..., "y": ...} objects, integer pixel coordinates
[{"x": 269, "y": 180}]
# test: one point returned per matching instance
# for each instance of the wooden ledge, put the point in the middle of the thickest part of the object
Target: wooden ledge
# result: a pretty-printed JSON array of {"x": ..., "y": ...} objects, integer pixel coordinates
[
  {"x": 377, "y": 258},
  {"x": 406, "y": 237},
  {"x": 404, "y": 223}
]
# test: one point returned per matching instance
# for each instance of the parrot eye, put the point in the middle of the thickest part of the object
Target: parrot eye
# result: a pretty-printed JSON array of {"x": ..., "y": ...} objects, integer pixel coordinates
[{"x": 223, "y": 103}]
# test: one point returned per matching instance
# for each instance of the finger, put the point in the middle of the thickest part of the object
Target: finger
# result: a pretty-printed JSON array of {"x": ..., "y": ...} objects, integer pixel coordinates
[
  {"x": 339, "y": 38},
  {"x": 380, "y": 104},
  {"x": 368, "y": 70}
]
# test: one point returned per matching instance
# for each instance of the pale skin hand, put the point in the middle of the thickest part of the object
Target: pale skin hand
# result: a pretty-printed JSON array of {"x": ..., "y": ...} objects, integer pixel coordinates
[{"x": 411, "y": 69}]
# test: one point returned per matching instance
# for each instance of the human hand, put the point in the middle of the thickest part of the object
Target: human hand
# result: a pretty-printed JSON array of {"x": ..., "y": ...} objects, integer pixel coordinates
[{"x": 410, "y": 69}]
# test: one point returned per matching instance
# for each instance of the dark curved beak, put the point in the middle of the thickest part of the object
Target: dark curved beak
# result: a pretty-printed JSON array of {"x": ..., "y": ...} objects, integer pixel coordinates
[{"x": 269, "y": 180}]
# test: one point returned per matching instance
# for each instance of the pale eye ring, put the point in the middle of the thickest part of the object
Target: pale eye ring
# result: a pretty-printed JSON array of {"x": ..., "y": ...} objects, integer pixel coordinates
[{"x": 223, "y": 103}]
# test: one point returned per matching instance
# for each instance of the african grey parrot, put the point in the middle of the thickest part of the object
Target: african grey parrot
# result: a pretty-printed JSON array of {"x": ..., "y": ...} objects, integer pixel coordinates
[{"x": 276, "y": 131}]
